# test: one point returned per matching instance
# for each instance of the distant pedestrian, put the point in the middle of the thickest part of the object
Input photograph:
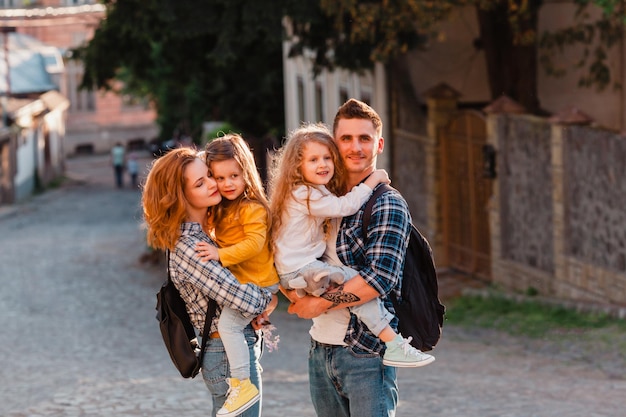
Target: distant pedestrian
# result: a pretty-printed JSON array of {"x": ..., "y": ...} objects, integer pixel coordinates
[
  {"x": 118, "y": 157},
  {"x": 133, "y": 169}
]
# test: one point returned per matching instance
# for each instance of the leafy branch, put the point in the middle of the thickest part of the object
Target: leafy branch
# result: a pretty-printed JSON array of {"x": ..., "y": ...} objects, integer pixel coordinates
[{"x": 596, "y": 37}]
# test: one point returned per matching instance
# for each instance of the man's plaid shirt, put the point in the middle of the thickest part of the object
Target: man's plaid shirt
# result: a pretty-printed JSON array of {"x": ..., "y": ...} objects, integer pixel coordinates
[
  {"x": 197, "y": 281},
  {"x": 380, "y": 260}
]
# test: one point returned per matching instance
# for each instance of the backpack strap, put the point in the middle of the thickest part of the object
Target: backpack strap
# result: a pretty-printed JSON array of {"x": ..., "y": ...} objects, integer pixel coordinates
[
  {"x": 367, "y": 211},
  {"x": 210, "y": 313},
  {"x": 367, "y": 215}
]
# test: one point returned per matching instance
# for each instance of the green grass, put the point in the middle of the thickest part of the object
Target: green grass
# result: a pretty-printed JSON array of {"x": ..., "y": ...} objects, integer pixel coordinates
[
  {"x": 527, "y": 318},
  {"x": 563, "y": 334}
]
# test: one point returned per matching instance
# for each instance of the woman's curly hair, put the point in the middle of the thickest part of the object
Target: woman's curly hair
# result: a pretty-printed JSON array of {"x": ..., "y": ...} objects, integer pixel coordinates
[{"x": 163, "y": 199}]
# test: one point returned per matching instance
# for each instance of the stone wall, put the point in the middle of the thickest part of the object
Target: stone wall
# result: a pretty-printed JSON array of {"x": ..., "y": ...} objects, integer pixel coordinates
[
  {"x": 595, "y": 197},
  {"x": 593, "y": 236},
  {"x": 559, "y": 210},
  {"x": 525, "y": 178}
]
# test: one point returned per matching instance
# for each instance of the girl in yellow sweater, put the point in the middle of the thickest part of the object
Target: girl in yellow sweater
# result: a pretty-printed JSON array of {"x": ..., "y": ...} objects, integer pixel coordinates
[{"x": 240, "y": 224}]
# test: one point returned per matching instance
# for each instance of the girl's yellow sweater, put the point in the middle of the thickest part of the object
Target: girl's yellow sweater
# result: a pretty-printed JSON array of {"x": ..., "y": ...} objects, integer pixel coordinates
[{"x": 242, "y": 237}]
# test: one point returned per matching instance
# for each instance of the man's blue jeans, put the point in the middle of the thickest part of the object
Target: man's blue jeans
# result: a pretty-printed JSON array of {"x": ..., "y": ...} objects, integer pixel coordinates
[
  {"x": 215, "y": 370},
  {"x": 347, "y": 383}
]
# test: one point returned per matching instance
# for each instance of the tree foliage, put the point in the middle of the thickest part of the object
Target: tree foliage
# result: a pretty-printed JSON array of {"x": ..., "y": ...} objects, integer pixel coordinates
[
  {"x": 196, "y": 60},
  {"x": 354, "y": 34},
  {"x": 595, "y": 36}
]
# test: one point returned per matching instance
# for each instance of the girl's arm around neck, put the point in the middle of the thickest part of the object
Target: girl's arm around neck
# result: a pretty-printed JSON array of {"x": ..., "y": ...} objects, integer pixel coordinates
[{"x": 322, "y": 203}]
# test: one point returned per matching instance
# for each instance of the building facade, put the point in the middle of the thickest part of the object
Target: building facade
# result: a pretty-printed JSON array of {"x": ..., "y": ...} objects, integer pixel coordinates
[
  {"x": 33, "y": 116},
  {"x": 95, "y": 120}
]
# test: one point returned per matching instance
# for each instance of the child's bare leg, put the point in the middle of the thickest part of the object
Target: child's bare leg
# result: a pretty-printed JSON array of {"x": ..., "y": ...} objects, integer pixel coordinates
[{"x": 387, "y": 334}]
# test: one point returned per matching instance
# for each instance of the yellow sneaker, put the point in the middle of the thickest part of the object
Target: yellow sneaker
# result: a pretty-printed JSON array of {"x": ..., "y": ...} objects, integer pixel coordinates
[{"x": 241, "y": 396}]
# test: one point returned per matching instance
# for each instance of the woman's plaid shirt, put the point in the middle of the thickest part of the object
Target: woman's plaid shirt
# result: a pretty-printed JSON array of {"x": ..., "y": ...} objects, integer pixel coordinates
[{"x": 197, "y": 281}]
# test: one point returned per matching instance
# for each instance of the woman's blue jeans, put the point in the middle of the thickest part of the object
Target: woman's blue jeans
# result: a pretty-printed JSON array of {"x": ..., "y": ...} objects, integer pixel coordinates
[
  {"x": 349, "y": 383},
  {"x": 215, "y": 371}
]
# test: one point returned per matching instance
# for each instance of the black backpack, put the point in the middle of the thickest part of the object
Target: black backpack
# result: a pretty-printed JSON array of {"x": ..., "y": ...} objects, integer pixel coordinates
[
  {"x": 420, "y": 313},
  {"x": 177, "y": 330}
]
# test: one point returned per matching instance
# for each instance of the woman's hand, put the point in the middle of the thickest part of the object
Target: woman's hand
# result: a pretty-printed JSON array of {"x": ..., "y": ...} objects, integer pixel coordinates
[
  {"x": 259, "y": 321},
  {"x": 263, "y": 319},
  {"x": 207, "y": 252}
]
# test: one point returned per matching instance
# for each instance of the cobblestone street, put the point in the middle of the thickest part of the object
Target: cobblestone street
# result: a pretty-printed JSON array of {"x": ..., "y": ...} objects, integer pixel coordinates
[{"x": 79, "y": 335}]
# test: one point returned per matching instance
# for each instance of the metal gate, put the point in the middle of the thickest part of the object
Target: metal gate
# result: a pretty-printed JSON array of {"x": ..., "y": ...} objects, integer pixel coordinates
[{"x": 465, "y": 194}]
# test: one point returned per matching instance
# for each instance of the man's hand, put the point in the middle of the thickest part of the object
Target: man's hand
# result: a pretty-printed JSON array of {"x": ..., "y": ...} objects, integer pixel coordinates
[{"x": 306, "y": 307}]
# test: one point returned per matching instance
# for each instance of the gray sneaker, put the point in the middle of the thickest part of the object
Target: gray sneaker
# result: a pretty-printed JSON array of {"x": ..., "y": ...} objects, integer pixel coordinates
[{"x": 401, "y": 354}]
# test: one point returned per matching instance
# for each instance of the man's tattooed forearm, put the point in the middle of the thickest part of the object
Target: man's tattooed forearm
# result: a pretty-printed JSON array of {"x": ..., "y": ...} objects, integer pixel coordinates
[{"x": 340, "y": 297}]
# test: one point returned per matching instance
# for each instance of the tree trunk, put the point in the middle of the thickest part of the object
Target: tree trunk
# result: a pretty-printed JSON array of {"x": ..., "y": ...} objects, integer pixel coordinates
[{"x": 512, "y": 69}]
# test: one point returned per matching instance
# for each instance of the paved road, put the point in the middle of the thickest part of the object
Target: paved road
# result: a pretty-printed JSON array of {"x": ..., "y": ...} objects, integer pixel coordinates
[{"x": 79, "y": 338}]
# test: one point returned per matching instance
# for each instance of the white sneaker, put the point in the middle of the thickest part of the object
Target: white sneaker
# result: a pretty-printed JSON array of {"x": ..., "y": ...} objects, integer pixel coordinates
[{"x": 401, "y": 354}]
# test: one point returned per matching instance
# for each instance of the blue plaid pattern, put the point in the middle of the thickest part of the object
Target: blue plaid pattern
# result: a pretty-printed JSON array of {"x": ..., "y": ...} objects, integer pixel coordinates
[
  {"x": 198, "y": 281},
  {"x": 380, "y": 262}
]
